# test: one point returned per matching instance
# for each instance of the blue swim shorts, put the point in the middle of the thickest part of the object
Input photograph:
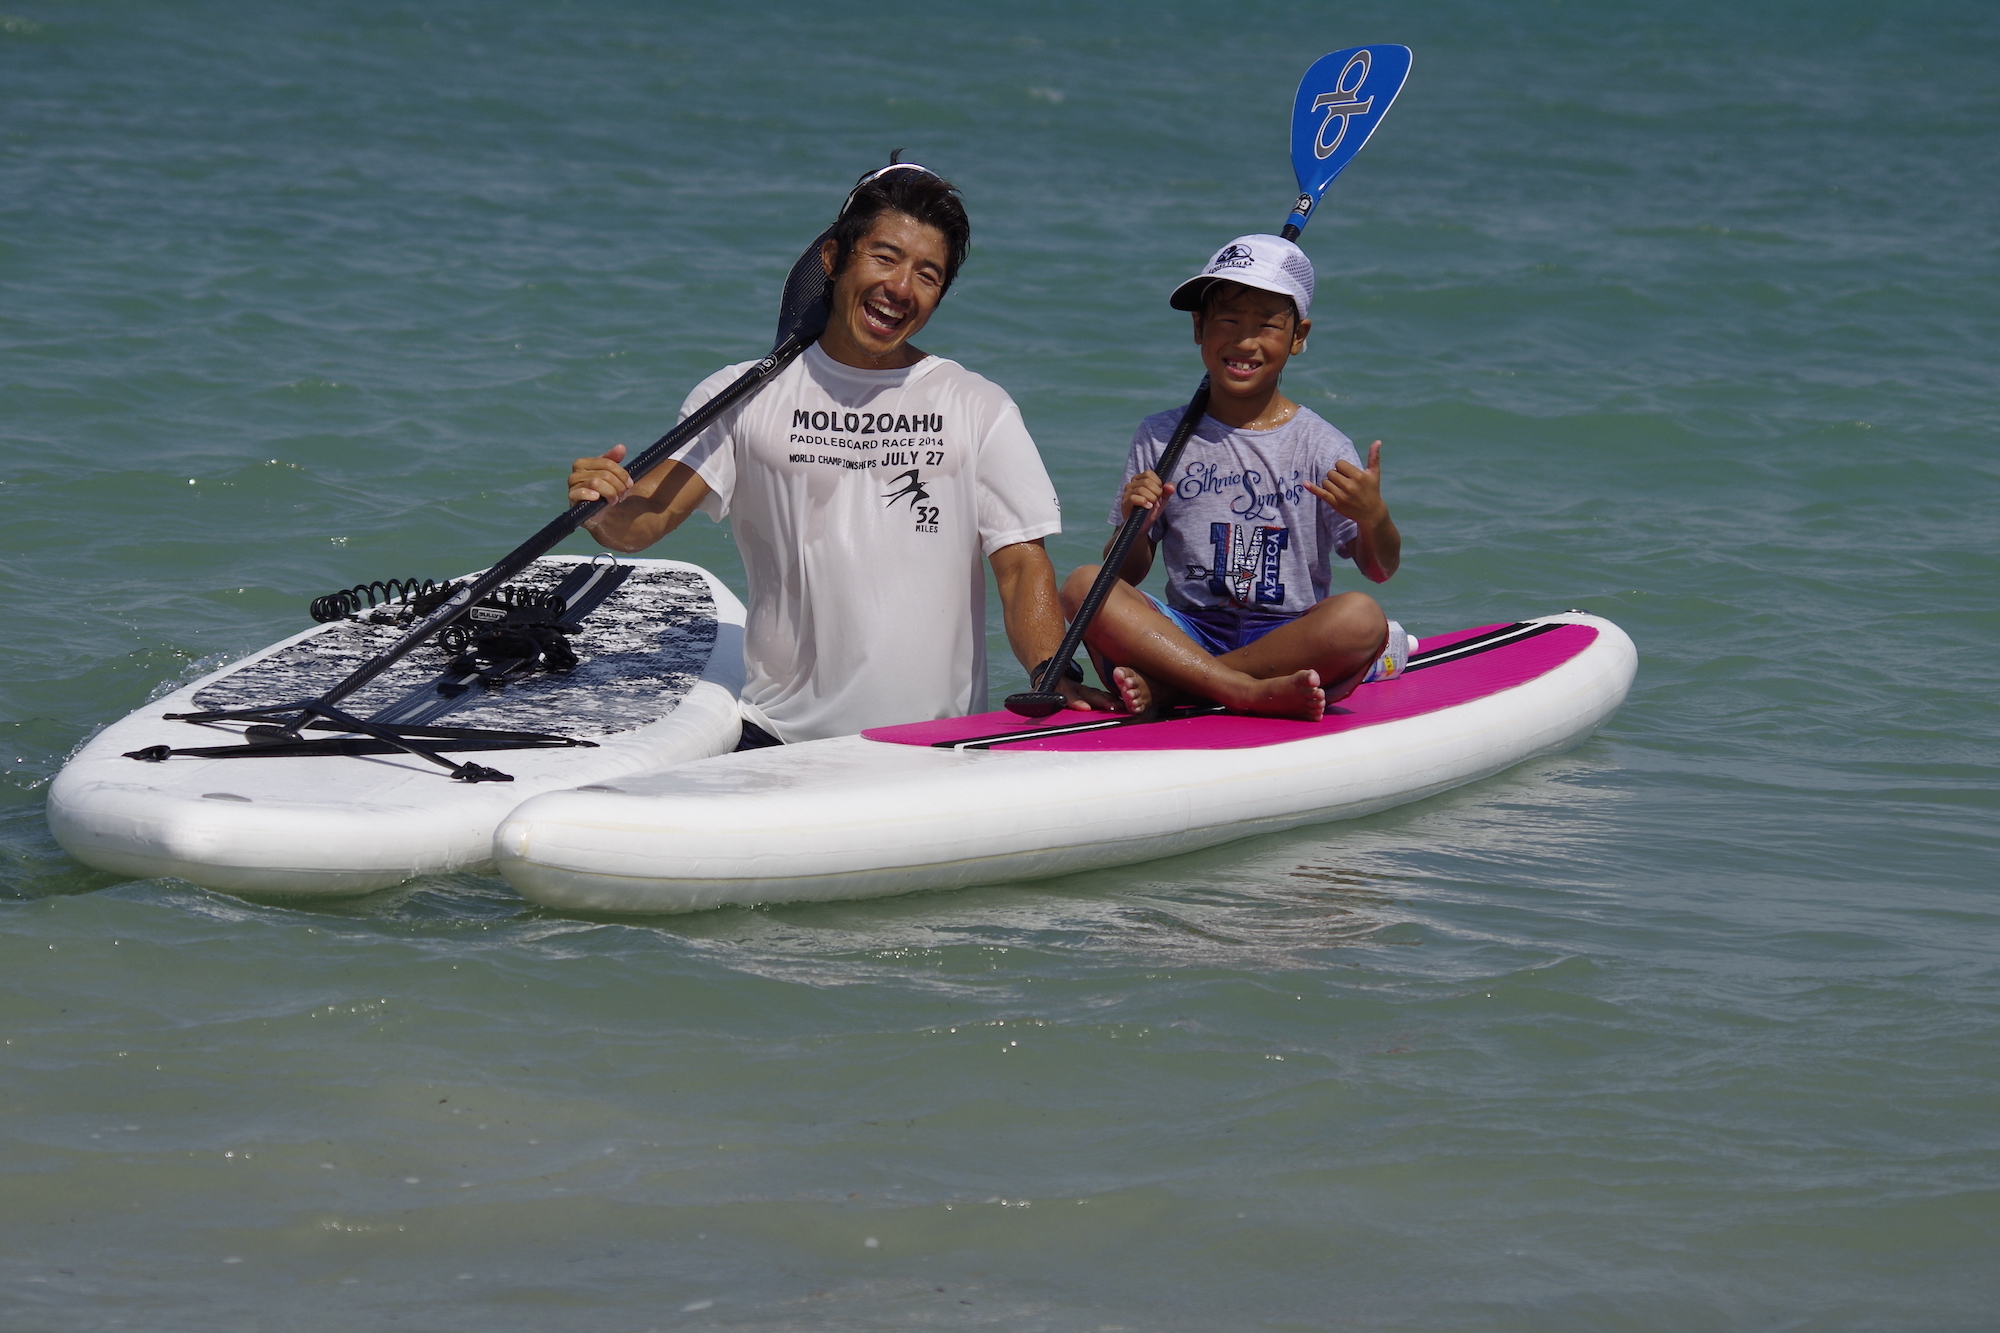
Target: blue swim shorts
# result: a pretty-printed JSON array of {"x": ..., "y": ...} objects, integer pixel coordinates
[
  {"x": 1220, "y": 631},
  {"x": 1224, "y": 630}
]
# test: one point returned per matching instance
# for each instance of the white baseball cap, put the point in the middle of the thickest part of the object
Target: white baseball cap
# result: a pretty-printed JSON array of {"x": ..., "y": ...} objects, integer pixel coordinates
[{"x": 1269, "y": 263}]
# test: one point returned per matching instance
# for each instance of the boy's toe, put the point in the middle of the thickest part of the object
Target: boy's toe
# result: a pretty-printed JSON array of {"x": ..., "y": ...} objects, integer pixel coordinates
[{"x": 1134, "y": 690}]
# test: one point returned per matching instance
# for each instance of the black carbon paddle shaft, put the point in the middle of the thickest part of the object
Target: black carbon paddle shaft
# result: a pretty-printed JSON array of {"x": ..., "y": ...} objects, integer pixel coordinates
[{"x": 1121, "y": 546}]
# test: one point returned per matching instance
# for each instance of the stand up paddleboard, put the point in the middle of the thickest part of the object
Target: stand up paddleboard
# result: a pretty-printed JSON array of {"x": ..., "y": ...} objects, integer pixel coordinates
[
  {"x": 997, "y": 797},
  {"x": 652, "y": 675}
]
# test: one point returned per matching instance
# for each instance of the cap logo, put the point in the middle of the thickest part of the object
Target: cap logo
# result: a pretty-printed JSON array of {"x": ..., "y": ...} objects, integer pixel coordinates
[{"x": 1232, "y": 256}]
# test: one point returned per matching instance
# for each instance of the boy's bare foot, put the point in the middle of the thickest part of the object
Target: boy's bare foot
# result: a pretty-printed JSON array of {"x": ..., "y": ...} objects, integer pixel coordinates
[
  {"x": 1297, "y": 695},
  {"x": 1134, "y": 690}
]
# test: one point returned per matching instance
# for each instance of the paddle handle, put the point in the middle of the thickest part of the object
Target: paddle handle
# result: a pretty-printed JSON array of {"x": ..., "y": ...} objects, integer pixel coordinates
[
  {"x": 573, "y": 518},
  {"x": 1121, "y": 546}
]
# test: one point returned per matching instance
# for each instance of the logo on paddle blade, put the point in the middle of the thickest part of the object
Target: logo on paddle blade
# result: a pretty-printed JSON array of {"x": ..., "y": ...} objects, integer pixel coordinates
[{"x": 1341, "y": 104}]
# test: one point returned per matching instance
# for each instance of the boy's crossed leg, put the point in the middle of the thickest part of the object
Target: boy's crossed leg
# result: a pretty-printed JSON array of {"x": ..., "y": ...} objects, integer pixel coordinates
[{"x": 1295, "y": 670}]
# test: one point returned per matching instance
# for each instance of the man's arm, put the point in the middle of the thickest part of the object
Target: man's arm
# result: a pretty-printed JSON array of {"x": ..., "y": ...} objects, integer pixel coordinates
[
  {"x": 1034, "y": 616},
  {"x": 1356, "y": 493},
  {"x": 641, "y": 512}
]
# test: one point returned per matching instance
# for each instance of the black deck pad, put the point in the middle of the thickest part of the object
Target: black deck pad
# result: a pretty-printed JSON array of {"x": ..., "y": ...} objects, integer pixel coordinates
[{"x": 638, "y": 654}]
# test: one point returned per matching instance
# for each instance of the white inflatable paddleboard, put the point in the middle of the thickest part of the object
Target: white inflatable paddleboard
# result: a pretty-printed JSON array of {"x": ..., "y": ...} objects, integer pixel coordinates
[
  {"x": 995, "y": 797},
  {"x": 659, "y": 666}
]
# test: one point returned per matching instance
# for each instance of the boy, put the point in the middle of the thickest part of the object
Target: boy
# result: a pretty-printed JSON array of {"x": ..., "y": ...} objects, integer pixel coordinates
[{"x": 1267, "y": 493}]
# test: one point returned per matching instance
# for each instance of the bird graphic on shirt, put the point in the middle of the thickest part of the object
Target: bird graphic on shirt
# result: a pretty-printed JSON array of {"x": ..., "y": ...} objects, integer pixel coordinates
[{"x": 912, "y": 489}]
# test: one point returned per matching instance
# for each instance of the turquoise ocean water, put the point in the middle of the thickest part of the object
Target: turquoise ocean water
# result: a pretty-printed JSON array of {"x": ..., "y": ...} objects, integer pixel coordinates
[{"x": 1681, "y": 313}]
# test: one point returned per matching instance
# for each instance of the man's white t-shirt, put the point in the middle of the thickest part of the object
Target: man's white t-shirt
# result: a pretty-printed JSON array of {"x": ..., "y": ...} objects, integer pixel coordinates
[{"x": 864, "y": 503}]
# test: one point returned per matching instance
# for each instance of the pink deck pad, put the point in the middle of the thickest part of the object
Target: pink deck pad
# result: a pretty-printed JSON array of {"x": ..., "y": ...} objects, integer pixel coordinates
[{"x": 1437, "y": 687}]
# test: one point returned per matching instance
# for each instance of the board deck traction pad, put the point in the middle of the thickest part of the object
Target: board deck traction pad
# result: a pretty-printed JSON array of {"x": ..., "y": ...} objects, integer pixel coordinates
[
  {"x": 585, "y": 587},
  {"x": 638, "y": 653},
  {"x": 1445, "y": 674}
]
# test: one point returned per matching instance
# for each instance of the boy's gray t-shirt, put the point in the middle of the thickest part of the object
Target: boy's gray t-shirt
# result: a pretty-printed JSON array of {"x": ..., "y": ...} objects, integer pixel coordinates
[{"x": 1240, "y": 530}]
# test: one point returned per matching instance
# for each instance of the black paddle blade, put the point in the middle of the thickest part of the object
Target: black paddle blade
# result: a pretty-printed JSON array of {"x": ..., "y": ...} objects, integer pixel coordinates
[
  {"x": 808, "y": 297},
  {"x": 1035, "y": 703}
]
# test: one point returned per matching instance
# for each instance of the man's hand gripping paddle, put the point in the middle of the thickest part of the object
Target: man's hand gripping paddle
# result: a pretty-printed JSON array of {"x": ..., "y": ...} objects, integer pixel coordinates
[
  {"x": 1341, "y": 100},
  {"x": 801, "y": 320}
]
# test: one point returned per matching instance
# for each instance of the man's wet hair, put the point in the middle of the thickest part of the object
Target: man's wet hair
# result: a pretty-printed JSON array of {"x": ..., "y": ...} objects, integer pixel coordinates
[{"x": 912, "y": 190}]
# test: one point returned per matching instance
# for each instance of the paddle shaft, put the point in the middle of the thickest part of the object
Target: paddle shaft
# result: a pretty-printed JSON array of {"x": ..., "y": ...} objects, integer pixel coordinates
[
  {"x": 1121, "y": 546},
  {"x": 570, "y": 520}
]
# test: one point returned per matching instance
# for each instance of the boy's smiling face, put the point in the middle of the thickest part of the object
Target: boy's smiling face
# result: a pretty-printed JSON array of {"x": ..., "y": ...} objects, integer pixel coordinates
[{"x": 1246, "y": 335}]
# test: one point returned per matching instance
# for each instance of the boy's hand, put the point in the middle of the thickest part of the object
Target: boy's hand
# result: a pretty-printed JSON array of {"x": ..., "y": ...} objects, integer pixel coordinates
[
  {"x": 1144, "y": 492},
  {"x": 1354, "y": 492},
  {"x": 599, "y": 478}
]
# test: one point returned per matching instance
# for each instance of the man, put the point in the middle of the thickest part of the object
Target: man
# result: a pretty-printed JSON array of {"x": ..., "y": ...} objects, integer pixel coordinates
[{"x": 865, "y": 482}]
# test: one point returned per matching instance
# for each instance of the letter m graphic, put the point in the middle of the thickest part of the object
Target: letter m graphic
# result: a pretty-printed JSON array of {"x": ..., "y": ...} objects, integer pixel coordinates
[{"x": 1248, "y": 563}]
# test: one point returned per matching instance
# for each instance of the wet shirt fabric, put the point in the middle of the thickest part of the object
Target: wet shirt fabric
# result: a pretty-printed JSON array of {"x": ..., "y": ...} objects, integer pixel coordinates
[
  {"x": 864, "y": 503},
  {"x": 1241, "y": 537}
]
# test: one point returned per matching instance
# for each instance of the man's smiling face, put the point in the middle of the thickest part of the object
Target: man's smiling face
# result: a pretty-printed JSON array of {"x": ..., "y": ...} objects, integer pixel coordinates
[
  {"x": 887, "y": 291},
  {"x": 1246, "y": 336}
]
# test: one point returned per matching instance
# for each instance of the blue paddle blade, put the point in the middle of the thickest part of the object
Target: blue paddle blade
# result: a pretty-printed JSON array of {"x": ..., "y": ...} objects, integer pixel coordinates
[{"x": 1341, "y": 100}]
